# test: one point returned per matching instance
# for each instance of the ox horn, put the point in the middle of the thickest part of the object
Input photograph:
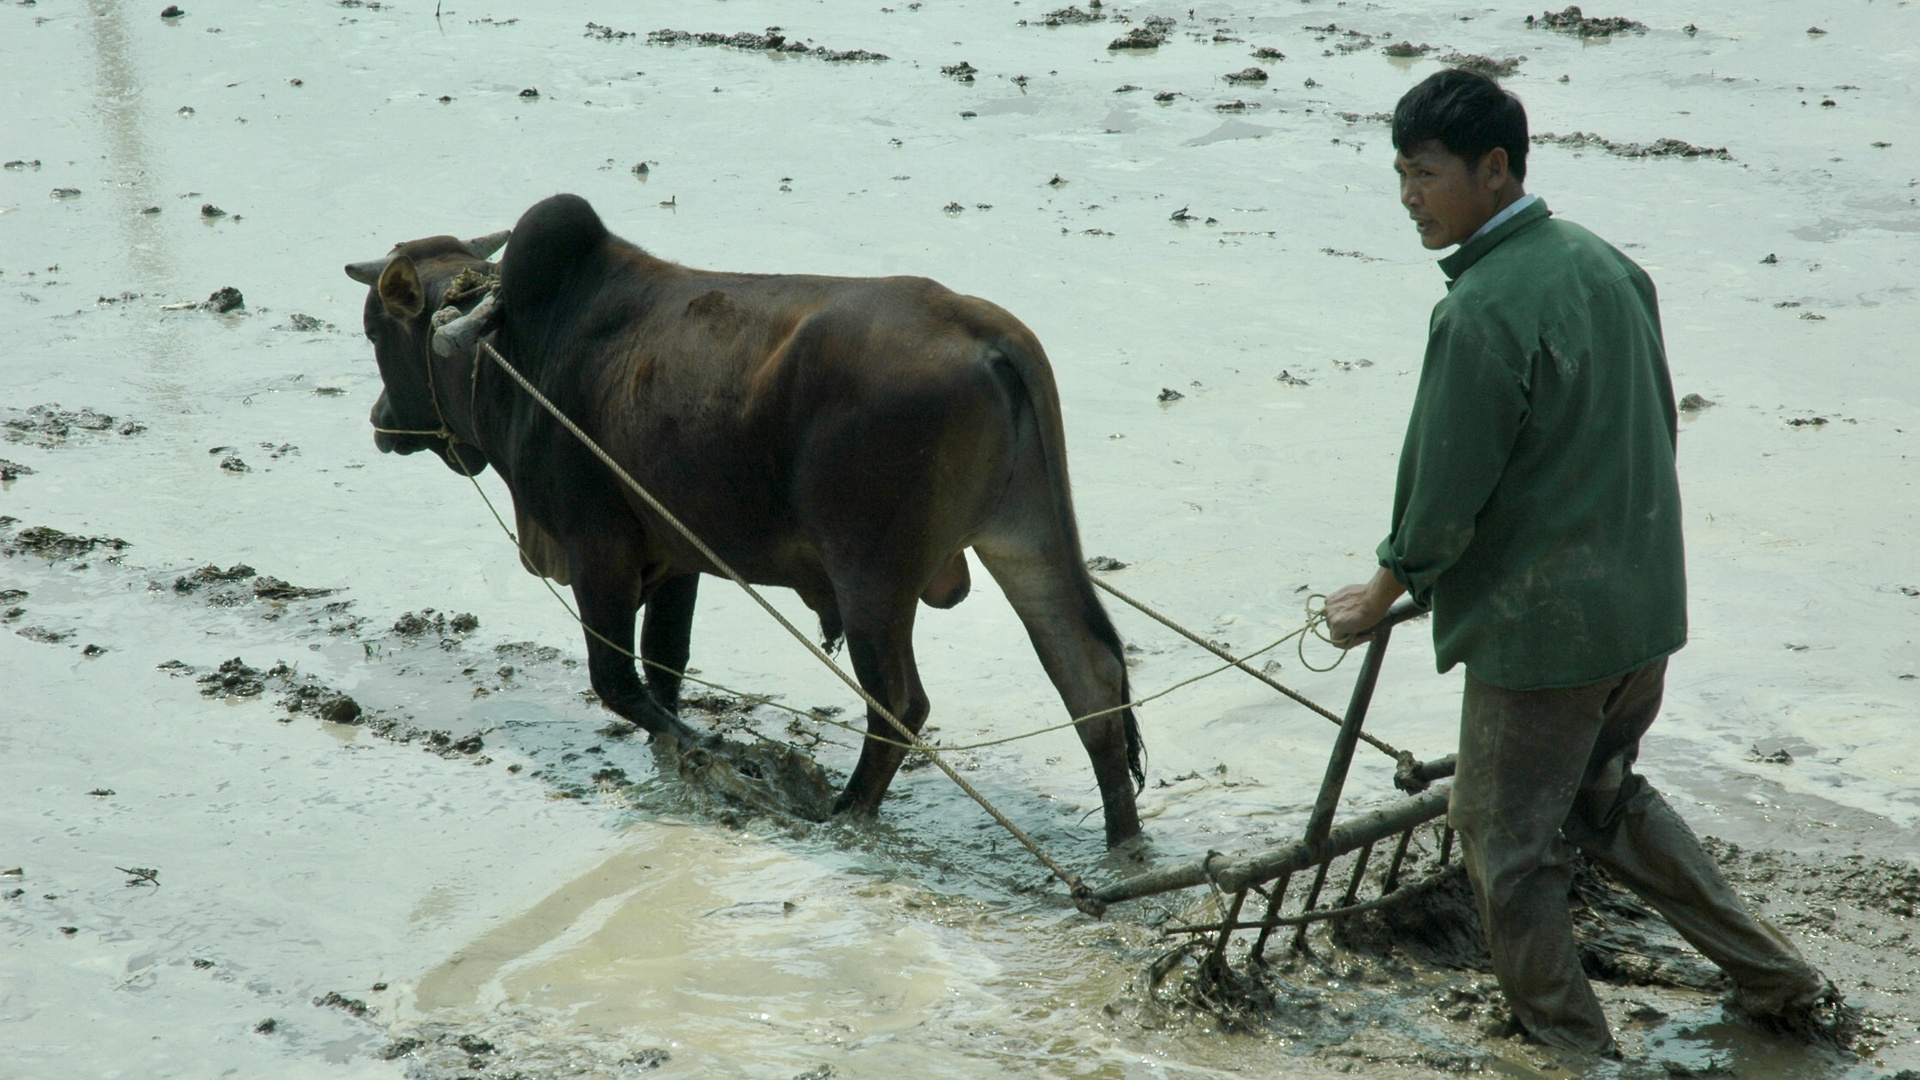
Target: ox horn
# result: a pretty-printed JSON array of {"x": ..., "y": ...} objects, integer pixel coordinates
[
  {"x": 484, "y": 246},
  {"x": 368, "y": 272},
  {"x": 458, "y": 336}
]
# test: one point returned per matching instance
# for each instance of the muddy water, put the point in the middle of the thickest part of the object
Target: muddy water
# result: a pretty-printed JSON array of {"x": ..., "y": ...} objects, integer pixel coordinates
[{"x": 547, "y": 893}]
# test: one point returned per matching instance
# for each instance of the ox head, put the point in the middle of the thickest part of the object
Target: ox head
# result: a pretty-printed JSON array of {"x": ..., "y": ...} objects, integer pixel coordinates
[{"x": 405, "y": 289}]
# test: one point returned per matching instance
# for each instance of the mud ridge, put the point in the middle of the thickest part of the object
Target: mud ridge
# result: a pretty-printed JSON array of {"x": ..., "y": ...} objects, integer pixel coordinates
[
  {"x": 771, "y": 41},
  {"x": 50, "y": 425},
  {"x": 1656, "y": 148},
  {"x": 1571, "y": 21}
]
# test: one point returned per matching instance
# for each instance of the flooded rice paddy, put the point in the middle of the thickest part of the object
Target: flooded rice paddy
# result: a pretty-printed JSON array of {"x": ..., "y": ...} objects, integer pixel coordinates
[{"x": 206, "y": 872}]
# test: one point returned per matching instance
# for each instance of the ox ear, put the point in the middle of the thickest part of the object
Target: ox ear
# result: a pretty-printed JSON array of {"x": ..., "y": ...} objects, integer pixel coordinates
[
  {"x": 368, "y": 272},
  {"x": 483, "y": 247},
  {"x": 400, "y": 290}
]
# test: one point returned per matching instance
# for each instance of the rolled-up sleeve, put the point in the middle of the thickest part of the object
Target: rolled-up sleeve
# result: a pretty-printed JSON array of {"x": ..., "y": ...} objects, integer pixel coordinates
[{"x": 1469, "y": 409}]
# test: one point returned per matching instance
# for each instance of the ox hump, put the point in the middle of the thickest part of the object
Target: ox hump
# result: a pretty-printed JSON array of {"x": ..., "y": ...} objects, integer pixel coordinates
[{"x": 557, "y": 238}]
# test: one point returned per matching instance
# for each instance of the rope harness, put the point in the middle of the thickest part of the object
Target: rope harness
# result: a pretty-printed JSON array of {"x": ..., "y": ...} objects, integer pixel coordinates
[{"x": 471, "y": 283}]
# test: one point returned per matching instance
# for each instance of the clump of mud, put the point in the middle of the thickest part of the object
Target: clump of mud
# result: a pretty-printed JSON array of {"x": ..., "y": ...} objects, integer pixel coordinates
[
  {"x": 771, "y": 41},
  {"x": 414, "y": 624},
  {"x": 50, "y": 425},
  {"x": 1877, "y": 886},
  {"x": 1621, "y": 940},
  {"x": 1353, "y": 40},
  {"x": 41, "y": 542},
  {"x": 761, "y": 777},
  {"x": 1484, "y": 65},
  {"x": 1367, "y": 964},
  {"x": 238, "y": 584},
  {"x": 1656, "y": 148},
  {"x": 756, "y": 775},
  {"x": 233, "y": 678},
  {"x": 224, "y": 300},
  {"x": 306, "y": 694},
  {"x": 1150, "y": 34},
  {"x": 1071, "y": 15},
  {"x": 1571, "y": 21},
  {"x": 510, "y": 1044},
  {"x": 607, "y": 33}
]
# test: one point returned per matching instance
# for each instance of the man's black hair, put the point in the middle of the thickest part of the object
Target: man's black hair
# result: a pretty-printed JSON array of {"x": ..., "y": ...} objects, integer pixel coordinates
[{"x": 1468, "y": 113}]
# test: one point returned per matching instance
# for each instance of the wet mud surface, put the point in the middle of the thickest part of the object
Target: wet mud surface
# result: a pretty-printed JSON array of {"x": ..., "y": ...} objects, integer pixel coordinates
[{"x": 299, "y": 772}]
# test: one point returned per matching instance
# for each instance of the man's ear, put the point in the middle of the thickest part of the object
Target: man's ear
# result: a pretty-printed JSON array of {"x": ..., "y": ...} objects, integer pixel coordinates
[
  {"x": 400, "y": 290},
  {"x": 1493, "y": 169}
]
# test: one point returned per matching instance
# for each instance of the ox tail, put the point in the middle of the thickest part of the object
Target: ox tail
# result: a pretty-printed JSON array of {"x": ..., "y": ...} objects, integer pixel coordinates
[{"x": 1040, "y": 436}]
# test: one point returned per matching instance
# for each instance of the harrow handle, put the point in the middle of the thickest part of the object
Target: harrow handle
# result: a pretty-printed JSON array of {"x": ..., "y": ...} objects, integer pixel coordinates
[{"x": 1338, "y": 764}]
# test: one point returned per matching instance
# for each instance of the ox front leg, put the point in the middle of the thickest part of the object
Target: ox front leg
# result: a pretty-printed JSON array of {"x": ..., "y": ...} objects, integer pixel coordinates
[
  {"x": 666, "y": 634},
  {"x": 607, "y": 608},
  {"x": 883, "y": 662}
]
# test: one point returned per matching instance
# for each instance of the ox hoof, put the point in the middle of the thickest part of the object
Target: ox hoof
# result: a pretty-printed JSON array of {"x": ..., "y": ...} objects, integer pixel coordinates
[
  {"x": 846, "y": 806},
  {"x": 677, "y": 736}
]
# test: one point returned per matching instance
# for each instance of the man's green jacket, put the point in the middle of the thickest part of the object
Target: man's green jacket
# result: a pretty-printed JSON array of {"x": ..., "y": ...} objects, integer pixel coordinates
[{"x": 1537, "y": 509}]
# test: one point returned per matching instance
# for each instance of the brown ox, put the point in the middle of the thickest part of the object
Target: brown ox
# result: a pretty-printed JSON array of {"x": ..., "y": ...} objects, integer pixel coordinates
[{"x": 848, "y": 438}]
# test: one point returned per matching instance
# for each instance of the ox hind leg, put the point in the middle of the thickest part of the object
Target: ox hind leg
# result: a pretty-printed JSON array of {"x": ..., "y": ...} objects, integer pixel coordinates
[
  {"x": 1080, "y": 650},
  {"x": 880, "y": 644}
]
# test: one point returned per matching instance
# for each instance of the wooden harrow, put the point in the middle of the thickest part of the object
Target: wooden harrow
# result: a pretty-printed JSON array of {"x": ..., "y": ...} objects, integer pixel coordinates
[{"x": 1268, "y": 875}]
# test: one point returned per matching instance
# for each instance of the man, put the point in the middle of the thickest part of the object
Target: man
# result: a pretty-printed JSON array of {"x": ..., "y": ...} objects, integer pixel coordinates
[{"x": 1538, "y": 512}]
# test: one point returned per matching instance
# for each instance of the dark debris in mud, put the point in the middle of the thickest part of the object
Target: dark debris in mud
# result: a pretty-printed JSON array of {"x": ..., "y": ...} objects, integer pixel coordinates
[
  {"x": 50, "y": 425},
  {"x": 1571, "y": 21},
  {"x": 13, "y": 470},
  {"x": 1656, "y": 148},
  {"x": 771, "y": 41}
]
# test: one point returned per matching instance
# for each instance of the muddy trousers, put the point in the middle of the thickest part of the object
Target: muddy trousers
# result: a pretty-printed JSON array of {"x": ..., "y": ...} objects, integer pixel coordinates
[{"x": 1540, "y": 770}]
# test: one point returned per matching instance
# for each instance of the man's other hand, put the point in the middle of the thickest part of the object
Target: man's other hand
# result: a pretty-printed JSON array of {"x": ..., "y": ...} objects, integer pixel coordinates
[{"x": 1353, "y": 611}]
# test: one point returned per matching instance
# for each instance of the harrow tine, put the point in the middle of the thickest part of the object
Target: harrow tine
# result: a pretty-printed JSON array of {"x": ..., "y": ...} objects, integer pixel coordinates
[
  {"x": 1359, "y": 872},
  {"x": 1393, "y": 868},
  {"x": 1218, "y": 956},
  {"x": 1274, "y": 900},
  {"x": 1313, "y": 898},
  {"x": 1446, "y": 844}
]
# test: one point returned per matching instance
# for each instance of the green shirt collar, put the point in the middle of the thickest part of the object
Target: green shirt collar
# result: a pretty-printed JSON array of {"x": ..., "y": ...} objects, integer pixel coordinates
[{"x": 1473, "y": 250}]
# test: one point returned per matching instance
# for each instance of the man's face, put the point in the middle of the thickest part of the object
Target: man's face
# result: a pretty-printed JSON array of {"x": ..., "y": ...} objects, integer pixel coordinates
[{"x": 1448, "y": 198}]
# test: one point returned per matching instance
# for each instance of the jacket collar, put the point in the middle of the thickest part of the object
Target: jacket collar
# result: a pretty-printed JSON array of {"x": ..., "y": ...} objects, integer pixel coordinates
[{"x": 1475, "y": 249}]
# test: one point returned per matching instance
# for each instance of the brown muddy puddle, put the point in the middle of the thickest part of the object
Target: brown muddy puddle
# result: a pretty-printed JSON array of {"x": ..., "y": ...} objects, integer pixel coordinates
[{"x": 470, "y": 879}]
